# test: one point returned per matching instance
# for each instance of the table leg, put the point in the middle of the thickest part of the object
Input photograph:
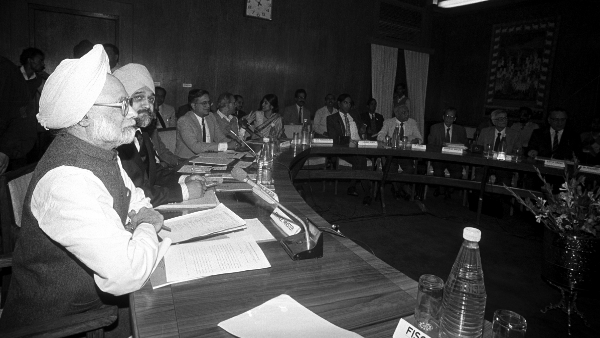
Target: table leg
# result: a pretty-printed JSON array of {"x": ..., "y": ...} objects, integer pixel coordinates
[
  {"x": 481, "y": 191},
  {"x": 386, "y": 170}
]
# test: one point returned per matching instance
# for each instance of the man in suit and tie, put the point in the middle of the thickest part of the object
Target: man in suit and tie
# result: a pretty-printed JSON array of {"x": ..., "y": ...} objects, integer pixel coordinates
[
  {"x": 296, "y": 114},
  {"x": 165, "y": 114},
  {"x": 555, "y": 141},
  {"x": 198, "y": 130},
  {"x": 372, "y": 119},
  {"x": 226, "y": 119},
  {"x": 161, "y": 184},
  {"x": 343, "y": 128},
  {"x": 498, "y": 137},
  {"x": 443, "y": 133}
]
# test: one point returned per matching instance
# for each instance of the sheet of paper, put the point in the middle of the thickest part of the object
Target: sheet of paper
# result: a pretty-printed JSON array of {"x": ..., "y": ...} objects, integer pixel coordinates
[
  {"x": 202, "y": 223},
  {"x": 254, "y": 228},
  {"x": 234, "y": 186},
  {"x": 163, "y": 248},
  {"x": 191, "y": 169},
  {"x": 212, "y": 160},
  {"x": 282, "y": 316},
  {"x": 207, "y": 258},
  {"x": 209, "y": 200},
  {"x": 242, "y": 164}
]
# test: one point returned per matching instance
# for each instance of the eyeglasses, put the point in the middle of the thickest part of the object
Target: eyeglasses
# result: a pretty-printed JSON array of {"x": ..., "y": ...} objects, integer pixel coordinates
[
  {"x": 501, "y": 119},
  {"x": 124, "y": 105},
  {"x": 139, "y": 98},
  {"x": 449, "y": 117},
  {"x": 204, "y": 103}
]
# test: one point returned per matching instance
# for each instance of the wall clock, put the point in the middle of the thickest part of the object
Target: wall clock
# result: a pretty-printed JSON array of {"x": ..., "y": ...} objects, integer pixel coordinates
[{"x": 260, "y": 9}]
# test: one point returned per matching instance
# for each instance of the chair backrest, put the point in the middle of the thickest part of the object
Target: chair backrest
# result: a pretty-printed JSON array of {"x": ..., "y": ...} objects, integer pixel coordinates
[
  {"x": 470, "y": 132},
  {"x": 168, "y": 136},
  {"x": 290, "y": 129},
  {"x": 13, "y": 187}
]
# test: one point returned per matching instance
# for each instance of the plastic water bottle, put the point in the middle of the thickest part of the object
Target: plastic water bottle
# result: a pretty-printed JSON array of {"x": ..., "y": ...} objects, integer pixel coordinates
[
  {"x": 463, "y": 305},
  {"x": 305, "y": 132},
  {"x": 265, "y": 163}
]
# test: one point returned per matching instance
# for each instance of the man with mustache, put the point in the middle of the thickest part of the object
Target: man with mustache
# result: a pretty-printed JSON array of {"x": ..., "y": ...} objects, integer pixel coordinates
[
  {"x": 296, "y": 114},
  {"x": 74, "y": 252},
  {"x": 161, "y": 184}
]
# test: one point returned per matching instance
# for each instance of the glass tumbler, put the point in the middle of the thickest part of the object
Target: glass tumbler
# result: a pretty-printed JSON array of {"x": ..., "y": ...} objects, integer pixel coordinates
[
  {"x": 488, "y": 151},
  {"x": 429, "y": 304},
  {"x": 508, "y": 324}
]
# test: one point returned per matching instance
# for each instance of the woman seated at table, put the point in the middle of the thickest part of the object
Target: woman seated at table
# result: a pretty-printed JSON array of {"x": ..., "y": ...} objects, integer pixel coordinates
[{"x": 266, "y": 121}]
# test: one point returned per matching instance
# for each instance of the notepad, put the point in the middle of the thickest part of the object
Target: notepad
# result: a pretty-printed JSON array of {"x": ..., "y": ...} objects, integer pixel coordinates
[
  {"x": 209, "y": 200},
  {"x": 202, "y": 223}
]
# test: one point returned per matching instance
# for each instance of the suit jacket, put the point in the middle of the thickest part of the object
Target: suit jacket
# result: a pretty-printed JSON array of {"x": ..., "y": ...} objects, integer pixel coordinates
[
  {"x": 488, "y": 136},
  {"x": 226, "y": 126},
  {"x": 437, "y": 133},
  {"x": 290, "y": 115},
  {"x": 189, "y": 135},
  {"x": 336, "y": 129},
  {"x": 164, "y": 154},
  {"x": 366, "y": 119},
  {"x": 159, "y": 183},
  {"x": 569, "y": 143}
]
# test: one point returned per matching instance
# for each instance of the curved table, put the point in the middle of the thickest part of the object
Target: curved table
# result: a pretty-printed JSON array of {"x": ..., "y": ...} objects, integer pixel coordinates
[
  {"x": 433, "y": 153},
  {"x": 347, "y": 286}
]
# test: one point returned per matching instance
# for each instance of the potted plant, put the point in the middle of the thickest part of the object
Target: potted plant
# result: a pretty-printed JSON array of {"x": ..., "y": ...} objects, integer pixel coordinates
[{"x": 572, "y": 230}]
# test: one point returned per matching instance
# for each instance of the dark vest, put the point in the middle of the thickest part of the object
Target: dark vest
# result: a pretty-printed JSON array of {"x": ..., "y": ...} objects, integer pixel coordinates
[{"x": 49, "y": 282}]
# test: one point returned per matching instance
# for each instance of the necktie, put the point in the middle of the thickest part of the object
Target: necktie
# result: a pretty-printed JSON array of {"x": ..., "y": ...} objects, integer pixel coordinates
[
  {"x": 300, "y": 115},
  {"x": 447, "y": 137},
  {"x": 160, "y": 120},
  {"x": 555, "y": 142},
  {"x": 347, "y": 122},
  {"x": 203, "y": 131},
  {"x": 401, "y": 135},
  {"x": 498, "y": 141},
  {"x": 143, "y": 151},
  {"x": 373, "y": 124}
]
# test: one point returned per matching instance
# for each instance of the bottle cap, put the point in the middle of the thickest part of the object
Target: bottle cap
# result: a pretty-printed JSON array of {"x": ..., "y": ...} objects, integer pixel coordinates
[
  {"x": 472, "y": 234},
  {"x": 265, "y": 139}
]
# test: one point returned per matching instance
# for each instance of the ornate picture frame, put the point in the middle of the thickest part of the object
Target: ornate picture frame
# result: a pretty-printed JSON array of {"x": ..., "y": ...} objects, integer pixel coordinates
[{"x": 521, "y": 59}]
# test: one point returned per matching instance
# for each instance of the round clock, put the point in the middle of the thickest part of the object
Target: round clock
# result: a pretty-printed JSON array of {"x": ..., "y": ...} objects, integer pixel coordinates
[{"x": 260, "y": 9}]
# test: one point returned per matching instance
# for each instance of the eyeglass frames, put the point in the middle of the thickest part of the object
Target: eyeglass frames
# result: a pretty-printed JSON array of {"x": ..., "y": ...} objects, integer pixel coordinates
[{"x": 124, "y": 105}]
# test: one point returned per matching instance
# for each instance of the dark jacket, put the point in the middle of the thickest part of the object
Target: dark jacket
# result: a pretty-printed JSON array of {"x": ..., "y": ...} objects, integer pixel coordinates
[
  {"x": 437, "y": 133},
  {"x": 570, "y": 143},
  {"x": 336, "y": 129},
  {"x": 366, "y": 119}
]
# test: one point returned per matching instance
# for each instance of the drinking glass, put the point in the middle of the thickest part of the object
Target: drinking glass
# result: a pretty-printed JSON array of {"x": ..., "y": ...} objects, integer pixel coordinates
[
  {"x": 508, "y": 324},
  {"x": 488, "y": 151},
  {"x": 518, "y": 153},
  {"x": 429, "y": 304},
  {"x": 296, "y": 139},
  {"x": 405, "y": 142}
]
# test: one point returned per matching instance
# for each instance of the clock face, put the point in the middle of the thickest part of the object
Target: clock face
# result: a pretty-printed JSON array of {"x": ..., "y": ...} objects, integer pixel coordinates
[{"x": 261, "y": 9}]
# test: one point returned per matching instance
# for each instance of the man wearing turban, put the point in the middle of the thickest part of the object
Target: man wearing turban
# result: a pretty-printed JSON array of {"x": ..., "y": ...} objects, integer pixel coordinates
[
  {"x": 88, "y": 234},
  {"x": 161, "y": 184}
]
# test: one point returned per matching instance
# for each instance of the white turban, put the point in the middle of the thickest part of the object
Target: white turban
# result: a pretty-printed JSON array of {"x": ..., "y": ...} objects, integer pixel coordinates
[
  {"x": 72, "y": 89},
  {"x": 134, "y": 76}
]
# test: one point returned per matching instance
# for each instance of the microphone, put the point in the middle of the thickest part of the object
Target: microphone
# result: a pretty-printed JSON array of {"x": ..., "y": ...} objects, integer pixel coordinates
[
  {"x": 270, "y": 197},
  {"x": 244, "y": 142}
]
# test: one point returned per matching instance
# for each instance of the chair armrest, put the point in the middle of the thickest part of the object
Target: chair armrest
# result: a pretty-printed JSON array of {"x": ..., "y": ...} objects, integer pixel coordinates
[
  {"x": 5, "y": 260},
  {"x": 66, "y": 326}
]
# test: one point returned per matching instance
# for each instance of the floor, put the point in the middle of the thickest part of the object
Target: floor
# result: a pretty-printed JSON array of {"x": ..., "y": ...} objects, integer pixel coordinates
[{"x": 425, "y": 237}]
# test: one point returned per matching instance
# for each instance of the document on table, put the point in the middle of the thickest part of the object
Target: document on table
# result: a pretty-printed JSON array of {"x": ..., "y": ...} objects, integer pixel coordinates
[
  {"x": 256, "y": 229},
  {"x": 208, "y": 258},
  {"x": 191, "y": 169},
  {"x": 203, "y": 223},
  {"x": 209, "y": 200},
  {"x": 212, "y": 160},
  {"x": 282, "y": 316}
]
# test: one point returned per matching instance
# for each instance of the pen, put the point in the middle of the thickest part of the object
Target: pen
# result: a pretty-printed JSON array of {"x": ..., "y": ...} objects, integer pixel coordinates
[
  {"x": 164, "y": 227},
  {"x": 210, "y": 185}
]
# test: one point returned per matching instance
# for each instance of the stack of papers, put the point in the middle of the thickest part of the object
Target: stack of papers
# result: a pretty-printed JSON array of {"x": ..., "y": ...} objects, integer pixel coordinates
[
  {"x": 209, "y": 200},
  {"x": 194, "y": 169}
]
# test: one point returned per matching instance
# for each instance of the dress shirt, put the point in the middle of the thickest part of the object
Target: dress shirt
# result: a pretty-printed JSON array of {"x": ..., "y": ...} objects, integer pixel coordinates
[
  {"x": 320, "y": 122},
  {"x": 25, "y": 74},
  {"x": 185, "y": 194},
  {"x": 227, "y": 117},
  {"x": 552, "y": 132},
  {"x": 410, "y": 129},
  {"x": 448, "y": 131},
  {"x": 353, "y": 130},
  {"x": 222, "y": 145},
  {"x": 74, "y": 208}
]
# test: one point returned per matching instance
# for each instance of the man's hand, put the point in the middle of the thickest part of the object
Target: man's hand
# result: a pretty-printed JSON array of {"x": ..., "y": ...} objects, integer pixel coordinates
[
  {"x": 196, "y": 189},
  {"x": 195, "y": 178},
  {"x": 232, "y": 145},
  {"x": 146, "y": 215},
  {"x": 532, "y": 153}
]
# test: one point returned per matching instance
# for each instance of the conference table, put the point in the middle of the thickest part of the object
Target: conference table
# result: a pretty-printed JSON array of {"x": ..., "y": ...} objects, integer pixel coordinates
[
  {"x": 301, "y": 171},
  {"x": 348, "y": 286}
]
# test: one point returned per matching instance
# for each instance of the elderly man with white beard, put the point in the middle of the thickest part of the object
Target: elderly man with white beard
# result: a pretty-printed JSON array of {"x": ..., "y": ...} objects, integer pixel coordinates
[
  {"x": 162, "y": 184},
  {"x": 88, "y": 235}
]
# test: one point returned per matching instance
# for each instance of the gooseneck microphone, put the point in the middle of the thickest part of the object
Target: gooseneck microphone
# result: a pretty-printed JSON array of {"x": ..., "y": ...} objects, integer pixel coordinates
[
  {"x": 246, "y": 144},
  {"x": 270, "y": 197}
]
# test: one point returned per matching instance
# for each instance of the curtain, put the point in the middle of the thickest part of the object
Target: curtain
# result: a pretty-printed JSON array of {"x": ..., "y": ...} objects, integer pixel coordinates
[
  {"x": 384, "y": 61},
  {"x": 417, "y": 67}
]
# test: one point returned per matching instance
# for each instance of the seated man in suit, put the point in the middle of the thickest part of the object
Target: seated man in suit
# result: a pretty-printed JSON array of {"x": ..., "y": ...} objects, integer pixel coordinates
[
  {"x": 343, "y": 129},
  {"x": 88, "y": 235},
  {"x": 198, "y": 130},
  {"x": 372, "y": 119},
  {"x": 320, "y": 122},
  {"x": 226, "y": 119},
  {"x": 407, "y": 127},
  {"x": 497, "y": 137},
  {"x": 447, "y": 132},
  {"x": 297, "y": 113},
  {"x": 555, "y": 141},
  {"x": 165, "y": 114},
  {"x": 161, "y": 184}
]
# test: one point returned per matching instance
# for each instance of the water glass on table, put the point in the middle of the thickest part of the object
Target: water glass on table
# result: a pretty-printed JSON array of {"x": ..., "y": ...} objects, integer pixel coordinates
[
  {"x": 508, "y": 324},
  {"x": 488, "y": 151},
  {"x": 429, "y": 304}
]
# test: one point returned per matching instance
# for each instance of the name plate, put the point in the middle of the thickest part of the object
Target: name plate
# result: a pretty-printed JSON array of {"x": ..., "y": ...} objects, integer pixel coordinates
[
  {"x": 501, "y": 156},
  {"x": 262, "y": 190},
  {"x": 406, "y": 330},
  {"x": 285, "y": 144},
  {"x": 284, "y": 223},
  {"x": 554, "y": 163},
  {"x": 322, "y": 141},
  {"x": 419, "y": 147},
  {"x": 367, "y": 144},
  {"x": 451, "y": 150},
  {"x": 588, "y": 169}
]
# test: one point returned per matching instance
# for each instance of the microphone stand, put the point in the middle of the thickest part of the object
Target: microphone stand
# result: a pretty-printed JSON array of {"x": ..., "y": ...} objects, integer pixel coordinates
[{"x": 302, "y": 246}]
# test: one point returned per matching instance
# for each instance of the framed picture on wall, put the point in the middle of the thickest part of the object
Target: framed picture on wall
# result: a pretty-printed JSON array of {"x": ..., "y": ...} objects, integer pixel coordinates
[{"x": 521, "y": 60}]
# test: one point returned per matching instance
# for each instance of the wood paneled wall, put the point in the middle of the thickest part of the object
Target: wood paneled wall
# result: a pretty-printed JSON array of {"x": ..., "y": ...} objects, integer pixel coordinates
[
  {"x": 459, "y": 66},
  {"x": 321, "y": 46}
]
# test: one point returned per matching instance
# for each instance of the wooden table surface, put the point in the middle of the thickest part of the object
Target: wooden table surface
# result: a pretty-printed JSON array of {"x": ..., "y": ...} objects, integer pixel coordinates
[{"x": 348, "y": 286}]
